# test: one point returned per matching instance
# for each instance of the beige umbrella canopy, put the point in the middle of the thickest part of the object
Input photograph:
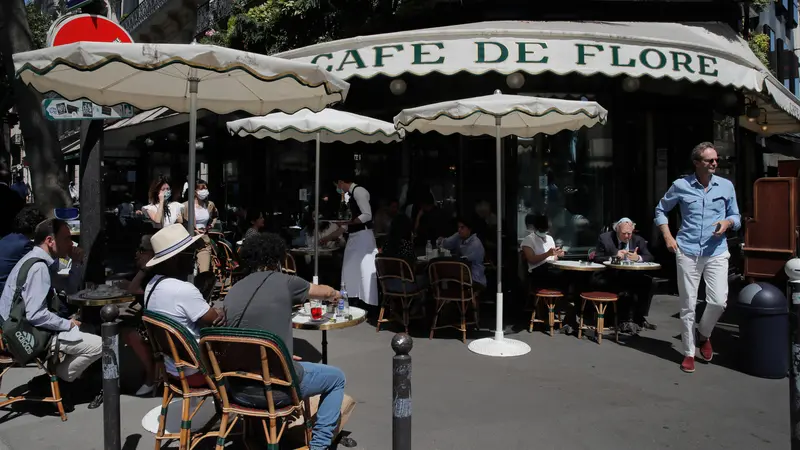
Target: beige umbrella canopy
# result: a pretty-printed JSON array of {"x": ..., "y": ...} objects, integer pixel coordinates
[
  {"x": 182, "y": 77},
  {"x": 326, "y": 126},
  {"x": 501, "y": 115}
]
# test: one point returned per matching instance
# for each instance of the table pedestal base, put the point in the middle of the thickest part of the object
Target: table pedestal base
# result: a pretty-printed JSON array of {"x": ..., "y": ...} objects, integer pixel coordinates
[
  {"x": 324, "y": 346},
  {"x": 503, "y": 347}
]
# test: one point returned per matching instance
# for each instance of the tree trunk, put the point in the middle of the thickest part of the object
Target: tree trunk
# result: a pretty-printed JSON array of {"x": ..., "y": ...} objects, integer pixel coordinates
[{"x": 43, "y": 151}]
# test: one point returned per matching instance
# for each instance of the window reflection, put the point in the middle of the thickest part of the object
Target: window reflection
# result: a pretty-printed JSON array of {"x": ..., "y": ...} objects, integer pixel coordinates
[{"x": 567, "y": 176}]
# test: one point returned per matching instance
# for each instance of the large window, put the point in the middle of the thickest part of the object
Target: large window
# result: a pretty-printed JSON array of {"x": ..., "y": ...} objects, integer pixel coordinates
[{"x": 568, "y": 177}]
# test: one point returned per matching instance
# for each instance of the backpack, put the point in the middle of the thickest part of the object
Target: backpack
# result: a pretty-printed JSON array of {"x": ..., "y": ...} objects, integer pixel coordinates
[{"x": 24, "y": 341}]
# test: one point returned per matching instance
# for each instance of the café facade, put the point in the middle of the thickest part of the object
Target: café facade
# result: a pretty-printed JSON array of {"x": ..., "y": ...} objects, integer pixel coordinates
[{"x": 667, "y": 87}]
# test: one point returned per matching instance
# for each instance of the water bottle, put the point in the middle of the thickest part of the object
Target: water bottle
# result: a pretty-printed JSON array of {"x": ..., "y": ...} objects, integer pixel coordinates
[{"x": 343, "y": 307}]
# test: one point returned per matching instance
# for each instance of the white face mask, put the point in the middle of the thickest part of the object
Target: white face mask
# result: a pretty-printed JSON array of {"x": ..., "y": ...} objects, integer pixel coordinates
[
  {"x": 541, "y": 234},
  {"x": 202, "y": 194}
]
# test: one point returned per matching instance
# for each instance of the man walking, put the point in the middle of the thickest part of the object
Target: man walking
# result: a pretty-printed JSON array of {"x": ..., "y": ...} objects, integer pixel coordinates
[{"x": 708, "y": 209}]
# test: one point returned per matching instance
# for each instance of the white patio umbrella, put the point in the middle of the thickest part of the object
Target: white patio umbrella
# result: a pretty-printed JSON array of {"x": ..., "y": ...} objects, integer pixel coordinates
[
  {"x": 181, "y": 77},
  {"x": 326, "y": 126},
  {"x": 501, "y": 115}
]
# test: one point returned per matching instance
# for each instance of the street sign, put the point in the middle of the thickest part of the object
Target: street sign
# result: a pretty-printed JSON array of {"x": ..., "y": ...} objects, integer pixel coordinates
[
  {"x": 86, "y": 27},
  {"x": 92, "y": 28},
  {"x": 60, "y": 109}
]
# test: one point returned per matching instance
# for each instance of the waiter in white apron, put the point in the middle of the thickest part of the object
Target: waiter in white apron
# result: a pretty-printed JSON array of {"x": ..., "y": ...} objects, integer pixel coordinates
[{"x": 358, "y": 267}]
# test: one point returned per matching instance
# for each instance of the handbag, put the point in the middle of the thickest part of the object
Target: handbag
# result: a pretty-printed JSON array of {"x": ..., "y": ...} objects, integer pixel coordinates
[{"x": 23, "y": 340}]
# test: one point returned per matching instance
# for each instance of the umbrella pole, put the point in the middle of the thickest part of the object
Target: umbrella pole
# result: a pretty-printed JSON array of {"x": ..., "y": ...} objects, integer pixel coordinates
[
  {"x": 499, "y": 345},
  {"x": 498, "y": 332},
  {"x": 193, "y": 82},
  {"x": 316, "y": 215}
]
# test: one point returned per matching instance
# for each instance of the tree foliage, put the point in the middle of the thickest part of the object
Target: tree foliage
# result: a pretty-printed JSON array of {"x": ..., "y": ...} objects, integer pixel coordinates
[
  {"x": 759, "y": 44},
  {"x": 279, "y": 25},
  {"x": 39, "y": 23}
]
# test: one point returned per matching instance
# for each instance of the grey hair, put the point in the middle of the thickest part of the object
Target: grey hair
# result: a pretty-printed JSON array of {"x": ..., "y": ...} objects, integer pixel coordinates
[{"x": 697, "y": 151}]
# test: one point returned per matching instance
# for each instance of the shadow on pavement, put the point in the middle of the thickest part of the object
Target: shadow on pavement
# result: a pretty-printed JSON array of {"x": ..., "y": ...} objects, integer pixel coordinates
[
  {"x": 307, "y": 351},
  {"x": 132, "y": 442},
  {"x": 655, "y": 347}
]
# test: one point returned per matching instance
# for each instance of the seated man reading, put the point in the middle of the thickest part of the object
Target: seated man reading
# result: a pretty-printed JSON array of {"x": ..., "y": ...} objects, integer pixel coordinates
[
  {"x": 621, "y": 242},
  {"x": 263, "y": 301}
]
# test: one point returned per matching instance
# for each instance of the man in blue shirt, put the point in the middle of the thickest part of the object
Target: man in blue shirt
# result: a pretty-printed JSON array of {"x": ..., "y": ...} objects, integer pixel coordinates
[
  {"x": 466, "y": 244},
  {"x": 708, "y": 209},
  {"x": 17, "y": 244}
]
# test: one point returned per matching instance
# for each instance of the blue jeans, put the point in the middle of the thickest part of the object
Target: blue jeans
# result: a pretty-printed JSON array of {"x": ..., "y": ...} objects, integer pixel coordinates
[{"x": 327, "y": 382}]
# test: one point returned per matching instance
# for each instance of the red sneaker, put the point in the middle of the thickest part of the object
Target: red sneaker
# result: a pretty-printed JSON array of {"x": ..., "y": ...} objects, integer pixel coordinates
[
  {"x": 688, "y": 364},
  {"x": 706, "y": 352}
]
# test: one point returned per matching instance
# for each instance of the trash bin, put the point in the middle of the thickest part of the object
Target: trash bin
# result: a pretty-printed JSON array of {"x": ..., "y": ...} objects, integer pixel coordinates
[{"x": 764, "y": 331}]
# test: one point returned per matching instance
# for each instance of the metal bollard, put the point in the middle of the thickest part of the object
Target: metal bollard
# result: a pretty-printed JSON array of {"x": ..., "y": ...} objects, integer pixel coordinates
[
  {"x": 110, "y": 334},
  {"x": 401, "y": 392},
  {"x": 794, "y": 365}
]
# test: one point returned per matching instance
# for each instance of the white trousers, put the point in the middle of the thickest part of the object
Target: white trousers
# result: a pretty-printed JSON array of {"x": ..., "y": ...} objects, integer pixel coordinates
[
  {"x": 714, "y": 269},
  {"x": 79, "y": 355}
]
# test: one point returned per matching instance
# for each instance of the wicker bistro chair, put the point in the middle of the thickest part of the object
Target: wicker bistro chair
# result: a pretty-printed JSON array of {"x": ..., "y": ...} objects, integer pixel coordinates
[
  {"x": 7, "y": 362},
  {"x": 289, "y": 265},
  {"x": 171, "y": 339},
  {"x": 600, "y": 300},
  {"x": 398, "y": 282},
  {"x": 451, "y": 282},
  {"x": 226, "y": 264},
  {"x": 256, "y": 379}
]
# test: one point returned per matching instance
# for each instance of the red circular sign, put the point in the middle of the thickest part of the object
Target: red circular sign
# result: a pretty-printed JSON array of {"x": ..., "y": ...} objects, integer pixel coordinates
[{"x": 87, "y": 27}]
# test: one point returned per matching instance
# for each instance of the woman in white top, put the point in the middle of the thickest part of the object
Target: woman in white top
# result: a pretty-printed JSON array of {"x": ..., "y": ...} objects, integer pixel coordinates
[
  {"x": 205, "y": 216},
  {"x": 538, "y": 248},
  {"x": 161, "y": 211}
]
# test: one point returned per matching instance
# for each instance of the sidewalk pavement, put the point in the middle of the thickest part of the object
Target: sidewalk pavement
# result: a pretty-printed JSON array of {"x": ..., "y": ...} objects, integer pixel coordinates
[{"x": 565, "y": 394}]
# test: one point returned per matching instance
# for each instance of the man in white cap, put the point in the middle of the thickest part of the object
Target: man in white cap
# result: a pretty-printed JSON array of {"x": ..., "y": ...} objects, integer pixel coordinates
[
  {"x": 167, "y": 293},
  {"x": 621, "y": 242}
]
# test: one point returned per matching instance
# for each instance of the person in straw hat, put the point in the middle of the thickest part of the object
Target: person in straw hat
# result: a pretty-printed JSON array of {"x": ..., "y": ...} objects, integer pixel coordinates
[{"x": 167, "y": 293}]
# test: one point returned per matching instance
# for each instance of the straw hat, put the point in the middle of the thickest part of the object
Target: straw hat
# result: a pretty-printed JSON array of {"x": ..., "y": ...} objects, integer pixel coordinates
[{"x": 169, "y": 241}]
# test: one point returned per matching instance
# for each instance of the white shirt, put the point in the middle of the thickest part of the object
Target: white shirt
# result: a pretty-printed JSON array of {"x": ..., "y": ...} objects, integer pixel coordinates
[
  {"x": 174, "y": 212},
  {"x": 539, "y": 246},
  {"x": 201, "y": 217},
  {"x": 180, "y": 301},
  {"x": 362, "y": 200}
]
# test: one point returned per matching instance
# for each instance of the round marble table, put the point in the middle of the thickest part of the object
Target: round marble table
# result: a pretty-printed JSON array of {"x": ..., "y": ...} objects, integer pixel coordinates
[
  {"x": 633, "y": 266},
  {"x": 302, "y": 321},
  {"x": 577, "y": 266}
]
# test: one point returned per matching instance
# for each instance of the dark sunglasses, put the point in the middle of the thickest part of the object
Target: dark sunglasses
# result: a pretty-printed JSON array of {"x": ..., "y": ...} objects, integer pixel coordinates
[{"x": 710, "y": 160}]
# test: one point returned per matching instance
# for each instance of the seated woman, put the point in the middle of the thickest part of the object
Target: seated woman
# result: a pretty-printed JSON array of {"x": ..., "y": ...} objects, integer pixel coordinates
[
  {"x": 466, "y": 244},
  {"x": 400, "y": 244},
  {"x": 538, "y": 248},
  {"x": 256, "y": 220}
]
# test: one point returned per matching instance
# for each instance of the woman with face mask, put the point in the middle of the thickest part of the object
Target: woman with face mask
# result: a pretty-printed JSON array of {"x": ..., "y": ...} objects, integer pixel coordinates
[
  {"x": 162, "y": 210},
  {"x": 538, "y": 248},
  {"x": 205, "y": 216}
]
